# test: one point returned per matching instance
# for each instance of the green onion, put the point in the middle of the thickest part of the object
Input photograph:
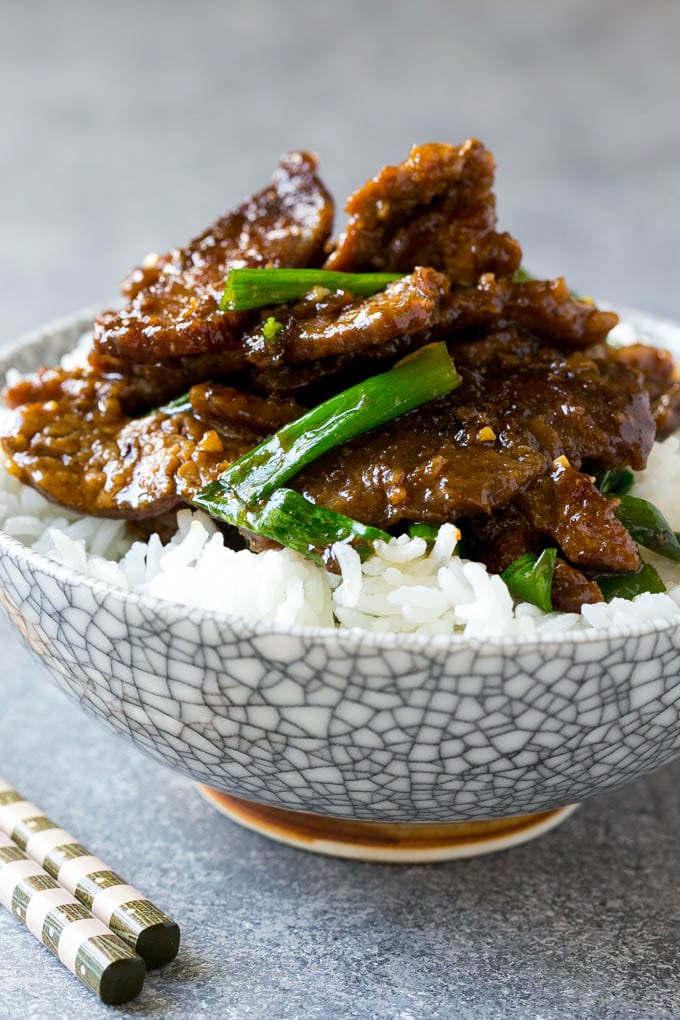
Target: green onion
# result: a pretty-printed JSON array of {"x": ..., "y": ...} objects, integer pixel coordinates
[
  {"x": 648, "y": 526},
  {"x": 288, "y": 518},
  {"x": 242, "y": 495},
  {"x": 271, "y": 328},
  {"x": 529, "y": 578},
  {"x": 418, "y": 529},
  {"x": 627, "y": 586},
  {"x": 418, "y": 378},
  {"x": 615, "y": 482},
  {"x": 257, "y": 288}
]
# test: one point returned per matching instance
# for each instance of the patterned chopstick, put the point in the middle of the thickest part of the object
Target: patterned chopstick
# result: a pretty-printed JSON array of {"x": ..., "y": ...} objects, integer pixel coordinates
[
  {"x": 80, "y": 941},
  {"x": 145, "y": 928}
]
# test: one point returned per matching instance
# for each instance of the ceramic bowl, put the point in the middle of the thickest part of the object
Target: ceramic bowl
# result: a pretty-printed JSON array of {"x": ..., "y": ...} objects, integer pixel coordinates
[{"x": 344, "y": 724}]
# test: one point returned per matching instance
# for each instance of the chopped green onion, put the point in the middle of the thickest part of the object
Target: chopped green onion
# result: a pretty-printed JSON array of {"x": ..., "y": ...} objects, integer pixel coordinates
[
  {"x": 648, "y": 526},
  {"x": 615, "y": 482},
  {"x": 257, "y": 288},
  {"x": 529, "y": 578},
  {"x": 418, "y": 529},
  {"x": 271, "y": 329},
  {"x": 627, "y": 586},
  {"x": 293, "y": 521},
  {"x": 242, "y": 495}
]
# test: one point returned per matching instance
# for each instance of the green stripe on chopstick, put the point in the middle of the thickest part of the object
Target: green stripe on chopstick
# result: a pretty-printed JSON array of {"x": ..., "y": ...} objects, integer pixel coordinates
[
  {"x": 145, "y": 928},
  {"x": 7, "y": 796},
  {"x": 82, "y": 943},
  {"x": 25, "y": 828}
]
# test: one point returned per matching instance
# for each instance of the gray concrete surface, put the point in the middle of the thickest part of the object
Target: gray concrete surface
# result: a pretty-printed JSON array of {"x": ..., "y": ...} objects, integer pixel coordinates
[{"x": 127, "y": 127}]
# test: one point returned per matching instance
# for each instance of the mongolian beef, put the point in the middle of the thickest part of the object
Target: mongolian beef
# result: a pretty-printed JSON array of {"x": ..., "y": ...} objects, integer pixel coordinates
[{"x": 519, "y": 452}]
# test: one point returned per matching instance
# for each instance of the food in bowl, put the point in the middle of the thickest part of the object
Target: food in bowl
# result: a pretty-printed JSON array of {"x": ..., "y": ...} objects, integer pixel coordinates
[
  {"x": 341, "y": 722},
  {"x": 440, "y": 443}
]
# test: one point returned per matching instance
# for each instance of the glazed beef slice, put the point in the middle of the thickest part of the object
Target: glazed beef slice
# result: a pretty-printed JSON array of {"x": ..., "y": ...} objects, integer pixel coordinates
[
  {"x": 173, "y": 308},
  {"x": 435, "y": 209},
  {"x": 519, "y": 407}
]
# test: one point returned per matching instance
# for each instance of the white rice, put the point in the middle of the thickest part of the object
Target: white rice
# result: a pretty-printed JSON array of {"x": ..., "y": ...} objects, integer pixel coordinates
[{"x": 402, "y": 588}]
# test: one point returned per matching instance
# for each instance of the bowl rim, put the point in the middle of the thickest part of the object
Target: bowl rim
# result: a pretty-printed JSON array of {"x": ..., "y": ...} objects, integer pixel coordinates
[{"x": 366, "y": 639}]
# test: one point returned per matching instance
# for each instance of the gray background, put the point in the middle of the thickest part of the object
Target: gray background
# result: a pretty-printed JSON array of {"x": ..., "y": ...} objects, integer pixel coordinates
[{"x": 127, "y": 127}]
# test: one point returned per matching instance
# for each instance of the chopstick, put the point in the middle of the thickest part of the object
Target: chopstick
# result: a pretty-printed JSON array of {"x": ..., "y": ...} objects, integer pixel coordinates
[
  {"x": 122, "y": 911},
  {"x": 80, "y": 941}
]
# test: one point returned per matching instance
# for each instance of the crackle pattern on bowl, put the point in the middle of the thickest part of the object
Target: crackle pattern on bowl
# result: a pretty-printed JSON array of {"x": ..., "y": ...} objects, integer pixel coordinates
[{"x": 374, "y": 727}]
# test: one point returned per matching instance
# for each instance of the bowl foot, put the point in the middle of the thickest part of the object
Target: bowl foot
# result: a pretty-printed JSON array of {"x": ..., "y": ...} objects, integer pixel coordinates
[{"x": 391, "y": 842}]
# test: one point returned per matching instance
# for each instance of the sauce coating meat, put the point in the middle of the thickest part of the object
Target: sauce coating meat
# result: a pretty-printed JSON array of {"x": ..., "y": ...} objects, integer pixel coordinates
[
  {"x": 174, "y": 299},
  {"x": 494, "y": 441},
  {"x": 543, "y": 406},
  {"x": 435, "y": 209}
]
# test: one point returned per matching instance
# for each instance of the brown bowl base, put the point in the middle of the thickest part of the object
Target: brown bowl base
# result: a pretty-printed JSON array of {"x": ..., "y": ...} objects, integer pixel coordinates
[{"x": 405, "y": 842}]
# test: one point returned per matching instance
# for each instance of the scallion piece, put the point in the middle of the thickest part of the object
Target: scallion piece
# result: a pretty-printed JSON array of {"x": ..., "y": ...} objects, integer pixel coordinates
[
  {"x": 418, "y": 529},
  {"x": 290, "y": 519},
  {"x": 648, "y": 526},
  {"x": 244, "y": 494},
  {"x": 257, "y": 288},
  {"x": 627, "y": 586},
  {"x": 616, "y": 482},
  {"x": 418, "y": 378},
  {"x": 271, "y": 329},
  {"x": 529, "y": 578}
]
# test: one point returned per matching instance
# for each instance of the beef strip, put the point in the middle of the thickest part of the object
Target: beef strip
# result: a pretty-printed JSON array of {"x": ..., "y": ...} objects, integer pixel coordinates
[
  {"x": 498, "y": 539},
  {"x": 314, "y": 381},
  {"x": 139, "y": 388},
  {"x": 173, "y": 309},
  {"x": 435, "y": 209},
  {"x": 661, "y": 380},
  {"x": 241, "y": 415},
  {"x": 594, "y": 411},
  {"x": 571, "y": 589},
  {"x": 342, "y": 344},
  {"x": 79, "y": 449},
  {"x": 518, "y": 408},
  {"x": 341, "y": 325},
  {"x": 543, "y": 308},
  {"x": 338, "y": 337},
  {"x": 145, "y": 387},
  {"x": 412, "y": 472},
  {"x": 547, "y": 309},
  {"x": 566, "y": 506}
]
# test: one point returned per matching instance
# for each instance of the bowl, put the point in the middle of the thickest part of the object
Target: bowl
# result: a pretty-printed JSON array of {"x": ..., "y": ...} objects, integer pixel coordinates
[{"x": 350, "y": 742}]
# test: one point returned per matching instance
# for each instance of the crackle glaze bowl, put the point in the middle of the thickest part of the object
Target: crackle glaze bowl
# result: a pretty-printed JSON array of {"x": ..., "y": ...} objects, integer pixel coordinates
[{"x": 392, "y": 747}]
